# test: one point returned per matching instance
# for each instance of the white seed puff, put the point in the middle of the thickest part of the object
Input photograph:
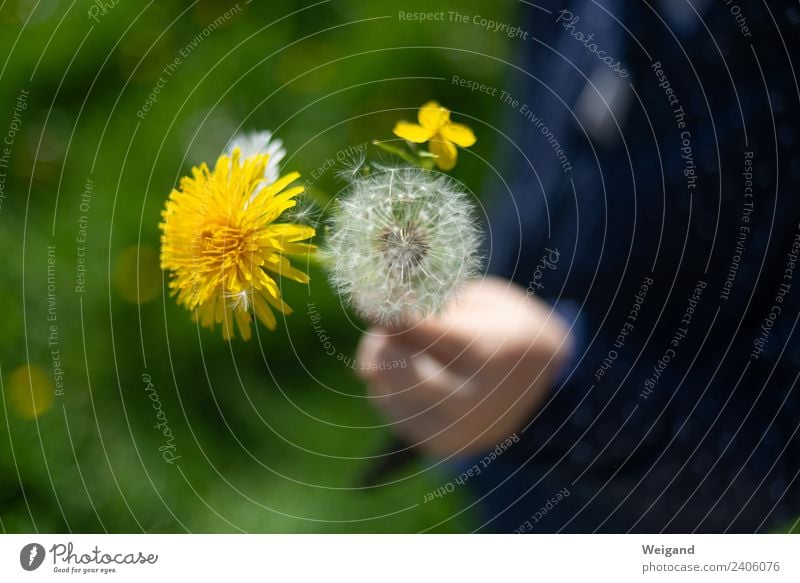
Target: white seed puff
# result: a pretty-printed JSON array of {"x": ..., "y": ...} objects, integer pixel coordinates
[{"x": 401, "y": 242}]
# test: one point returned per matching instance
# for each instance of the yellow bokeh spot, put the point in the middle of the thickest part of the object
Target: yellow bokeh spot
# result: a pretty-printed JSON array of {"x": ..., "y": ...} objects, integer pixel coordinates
[
  {"x": 29, "y": 391},
  {"x": 142, "y": 284}
]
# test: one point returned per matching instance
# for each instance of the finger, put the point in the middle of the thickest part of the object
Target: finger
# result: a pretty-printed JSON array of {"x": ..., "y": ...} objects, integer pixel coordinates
[
  {"x": 419, "y": 379},
  {"x": 453, "y": 338},
  {"x": 433, "y": 336},
  {"x": 446, "y": 337},
  {"x": 493, "y": 314},
  {"x": 370, "y": 347}
]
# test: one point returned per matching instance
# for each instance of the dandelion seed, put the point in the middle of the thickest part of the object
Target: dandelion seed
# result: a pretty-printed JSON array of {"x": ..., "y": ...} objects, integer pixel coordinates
[
  {"x": 353, "y": 165},
  {"x": 305, "y": 212},
  {"x": 239, "y": 300},
  {"x": 402, "y": 242}
]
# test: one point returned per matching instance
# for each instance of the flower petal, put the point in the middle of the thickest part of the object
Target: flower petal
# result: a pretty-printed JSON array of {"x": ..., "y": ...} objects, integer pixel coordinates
[
  {"x": 445, "y": 153},
  {"x": 281, "y": 183},
  {"x": 289, "y": 232},
  {"x": 433, "y": 116},
  {"x": 299, "y": 249},
  {"x": 412, "y": 132},
  {"x": 263, "y": 313},
  {"x": 459, "y": 134},
  {"x": 243, "y": 323},
  {"x": 280, "y": 265}
]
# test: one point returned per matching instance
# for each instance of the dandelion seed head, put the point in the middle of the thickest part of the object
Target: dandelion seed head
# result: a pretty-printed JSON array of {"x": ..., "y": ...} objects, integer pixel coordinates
[
  {"x": 402, "y": 242},
  {"x": 305, "y": 212}
]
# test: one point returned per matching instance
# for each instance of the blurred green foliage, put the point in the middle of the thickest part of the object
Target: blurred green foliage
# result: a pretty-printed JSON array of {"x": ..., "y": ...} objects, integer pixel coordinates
[{"x": 272, "y": 433}]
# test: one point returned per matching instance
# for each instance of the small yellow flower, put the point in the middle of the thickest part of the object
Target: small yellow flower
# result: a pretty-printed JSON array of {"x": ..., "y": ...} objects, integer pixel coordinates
[
  {"x": 435, "y": 127},
  {"x": 222, "y": 245}
]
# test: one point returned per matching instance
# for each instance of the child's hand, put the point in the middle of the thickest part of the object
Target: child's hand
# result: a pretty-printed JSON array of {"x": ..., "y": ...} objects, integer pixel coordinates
[{"x": 472, "y": 376}]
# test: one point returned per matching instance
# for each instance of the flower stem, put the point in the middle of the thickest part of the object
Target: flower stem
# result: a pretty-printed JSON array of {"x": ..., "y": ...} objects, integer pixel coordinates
[{"x": 397, "y": 152}]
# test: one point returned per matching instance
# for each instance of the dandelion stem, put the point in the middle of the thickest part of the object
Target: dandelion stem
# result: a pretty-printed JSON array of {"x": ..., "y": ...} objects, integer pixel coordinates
[{"x": 397, "y": 152}]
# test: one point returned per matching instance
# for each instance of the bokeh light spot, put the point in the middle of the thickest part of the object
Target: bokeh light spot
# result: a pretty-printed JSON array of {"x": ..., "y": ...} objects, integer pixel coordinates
[
  {"x": 141, "y": 285},
  {"x": 29, "y": 391}
]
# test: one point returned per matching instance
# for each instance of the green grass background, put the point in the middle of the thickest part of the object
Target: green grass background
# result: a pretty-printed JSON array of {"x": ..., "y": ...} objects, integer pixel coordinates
[{"x": 269, "y": 432}]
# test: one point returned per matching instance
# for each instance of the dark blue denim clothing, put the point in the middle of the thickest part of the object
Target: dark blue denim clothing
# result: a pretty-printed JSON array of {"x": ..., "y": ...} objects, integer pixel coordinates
[{"x": 676, "y": 218}]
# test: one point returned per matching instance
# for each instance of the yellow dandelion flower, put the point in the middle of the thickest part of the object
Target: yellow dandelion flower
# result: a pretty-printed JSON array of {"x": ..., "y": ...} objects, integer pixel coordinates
[
  {"x": 435, "y": 127},
  {"x": 223, "y": 247}
]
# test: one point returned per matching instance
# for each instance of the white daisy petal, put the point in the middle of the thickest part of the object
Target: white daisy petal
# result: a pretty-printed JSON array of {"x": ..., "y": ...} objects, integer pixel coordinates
[{"x": 261, "y": 143}]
